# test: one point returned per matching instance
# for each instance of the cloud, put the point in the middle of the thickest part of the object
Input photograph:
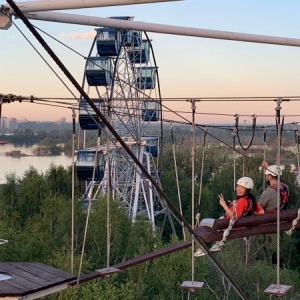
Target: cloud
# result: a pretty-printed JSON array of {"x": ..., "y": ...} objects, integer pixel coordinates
[
  {"x": 78, "y": 36},
  {"x": 11, "y": 37}
]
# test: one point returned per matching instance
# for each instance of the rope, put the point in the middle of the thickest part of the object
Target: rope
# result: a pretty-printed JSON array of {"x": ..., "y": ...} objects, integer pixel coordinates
[
  {"x": 176, "y": 176},
  {"x": 277, "y": 109},
  {"x": 247, "y": 242},
  {"x": 264, "y": 156},
  {"x": 237, "y": 131},
  {"x": 197, "y": 224},
  {"x": 201, "y": 172},
  {"x": 297, "y": 149},
  {"x": 193, "y": 107},
  {"x": 89, "y": 196},
  {"x": 234, "y": 157},
  {"x": 294, "y": 223},
  {"x": 73, "y": 191},
  {"x": 108, "y": 194}
]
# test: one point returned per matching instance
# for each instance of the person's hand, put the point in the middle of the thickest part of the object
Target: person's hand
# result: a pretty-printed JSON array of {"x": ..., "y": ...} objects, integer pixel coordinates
[
  {"x": 264, "y": 164},
  {"x": 222, "y": 200}
]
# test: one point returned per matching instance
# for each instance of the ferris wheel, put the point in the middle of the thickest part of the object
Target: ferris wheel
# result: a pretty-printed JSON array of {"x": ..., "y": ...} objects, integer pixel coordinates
[{"x": 122, "y": 80}]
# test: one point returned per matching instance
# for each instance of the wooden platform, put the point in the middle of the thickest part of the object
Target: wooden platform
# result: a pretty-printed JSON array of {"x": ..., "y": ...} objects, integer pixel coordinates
[
  {"x": 31, "y": 280},
  {"x": 193, "y": 285},
  {"x": 278, "y": 290}
]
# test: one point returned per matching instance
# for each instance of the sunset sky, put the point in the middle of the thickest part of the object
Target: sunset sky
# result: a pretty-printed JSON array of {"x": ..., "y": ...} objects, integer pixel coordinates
[{"x": 188, "y": 67}]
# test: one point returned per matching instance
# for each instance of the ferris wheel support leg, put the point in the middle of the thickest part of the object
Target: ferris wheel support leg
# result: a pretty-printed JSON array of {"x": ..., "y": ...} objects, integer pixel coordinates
[
  {"x": 150, "y": 187},
  {"x": 137, "y": 189}
]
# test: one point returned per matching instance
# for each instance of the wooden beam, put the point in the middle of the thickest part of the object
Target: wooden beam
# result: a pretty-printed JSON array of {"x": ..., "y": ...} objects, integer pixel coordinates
[
  {"x": 135, "y": 261},
  {"x": 286, "y": 215},
  {"x": 208, "y": 235}
]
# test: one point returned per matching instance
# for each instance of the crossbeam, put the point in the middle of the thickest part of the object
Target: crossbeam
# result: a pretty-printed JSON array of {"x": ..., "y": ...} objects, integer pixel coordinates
[{"x": 161, "y": 28}]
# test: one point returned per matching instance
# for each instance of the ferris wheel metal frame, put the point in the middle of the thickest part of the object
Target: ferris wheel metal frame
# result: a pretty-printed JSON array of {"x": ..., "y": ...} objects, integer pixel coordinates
[{"x": 129, "y": 100}]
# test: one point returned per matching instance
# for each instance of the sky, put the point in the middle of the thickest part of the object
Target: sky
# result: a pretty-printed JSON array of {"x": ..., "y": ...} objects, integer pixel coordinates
[{"x": 189, "y": 67}]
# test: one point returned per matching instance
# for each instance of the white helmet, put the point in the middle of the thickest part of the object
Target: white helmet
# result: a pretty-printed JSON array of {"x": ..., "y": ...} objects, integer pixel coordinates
[
  {"x": 272, "y": 170},
  {"x": 246, "y": 182}
]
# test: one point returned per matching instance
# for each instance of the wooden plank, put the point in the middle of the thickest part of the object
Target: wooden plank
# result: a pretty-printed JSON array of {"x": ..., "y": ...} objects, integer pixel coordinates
[
  {"x": 278, "y": 290},
  {"x": 108, "y": 271},
  {"x": 21, "y": 272},
  {"x": 8, "y": 287},
  {"x": 45, "y": 272},
  {"x": 193, "y": 285},
  {"x": 26, "y": 280}
]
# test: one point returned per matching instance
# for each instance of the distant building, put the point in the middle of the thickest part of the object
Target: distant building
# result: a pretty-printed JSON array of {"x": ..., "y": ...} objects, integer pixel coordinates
[
  {"x": 61, "y": 121},
  {"x": 8, "y": 124}
]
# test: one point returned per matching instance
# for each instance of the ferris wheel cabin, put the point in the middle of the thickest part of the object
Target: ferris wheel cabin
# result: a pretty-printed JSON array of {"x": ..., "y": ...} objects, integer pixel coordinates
[
  {"x": 151, "y": 111},
  {"x": 145, "y": 78},
  {"x": 128, "y": 37},
  {"x": 139, "y": 53},
  {"x": 87, "y": 161},
  {"x": 88, "y": 119},
  {"x": 99, "y": 71},
  {"x": 152, "y": 145},
  {"x": 108, "y": 41}
]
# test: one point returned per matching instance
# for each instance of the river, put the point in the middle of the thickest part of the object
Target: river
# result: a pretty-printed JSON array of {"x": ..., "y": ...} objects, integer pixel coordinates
[{"x": 19, "y": 165}]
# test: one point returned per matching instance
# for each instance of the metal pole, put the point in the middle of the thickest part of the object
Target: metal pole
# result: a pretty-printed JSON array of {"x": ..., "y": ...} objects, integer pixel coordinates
[
  {"x": 47, "y": 5},
  {"x": 160, "y": 28}
]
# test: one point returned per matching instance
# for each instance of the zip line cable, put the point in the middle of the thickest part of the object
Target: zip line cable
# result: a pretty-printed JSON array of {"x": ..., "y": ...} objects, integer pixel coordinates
[
  {"x": 44, "y": 59},
  {"x": 221, "y": 99},
  {"x": 58, "y": 41},
  {"x": 126, "y": 148},
  {"x": 199, "y": 126}
]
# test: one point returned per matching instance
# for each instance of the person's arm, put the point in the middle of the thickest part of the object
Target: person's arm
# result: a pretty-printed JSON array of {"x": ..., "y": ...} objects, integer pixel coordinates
[
  {"x": 223, "y": 203},
  {"x": 259, "y": 210},
  {"x": 265, "y": 197},
  {"x": 265, "y": 165}
]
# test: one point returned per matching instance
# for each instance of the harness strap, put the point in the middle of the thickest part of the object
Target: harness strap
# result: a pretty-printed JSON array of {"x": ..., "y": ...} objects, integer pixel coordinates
[
  {"x": 197, "y": 224},
  {"x": 294, "y": 223},
  {"x": 231, "y": 223}
]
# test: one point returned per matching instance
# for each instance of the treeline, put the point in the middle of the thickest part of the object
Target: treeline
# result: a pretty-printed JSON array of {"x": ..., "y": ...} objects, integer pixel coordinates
[{"x": 36, "y": 220}]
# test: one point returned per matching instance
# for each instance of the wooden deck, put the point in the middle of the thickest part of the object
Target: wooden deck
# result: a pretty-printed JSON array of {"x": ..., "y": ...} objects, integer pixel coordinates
[{"x": 31, "y": 278}]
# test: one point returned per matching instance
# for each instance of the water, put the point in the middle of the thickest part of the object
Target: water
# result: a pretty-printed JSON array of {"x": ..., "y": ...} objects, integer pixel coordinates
[{"x": 19, "y": 165}]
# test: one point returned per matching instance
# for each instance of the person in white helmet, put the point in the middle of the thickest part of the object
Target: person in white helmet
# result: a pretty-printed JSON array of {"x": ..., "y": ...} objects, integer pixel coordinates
[
  {"x": 268, "y": 199},
  {"x": 246, "y": 202},
  {"x": 245, "y": 205}
]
